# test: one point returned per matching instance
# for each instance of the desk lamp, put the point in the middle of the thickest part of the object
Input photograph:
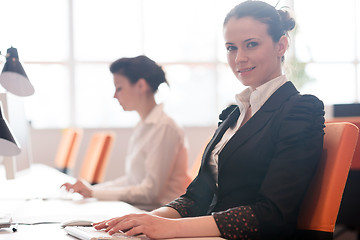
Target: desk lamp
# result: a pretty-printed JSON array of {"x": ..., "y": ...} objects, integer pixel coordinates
[
  {"x": 13, "y": 77},
  {"x": 8, "y": 143},
  {"x": 9, "y": 147}
]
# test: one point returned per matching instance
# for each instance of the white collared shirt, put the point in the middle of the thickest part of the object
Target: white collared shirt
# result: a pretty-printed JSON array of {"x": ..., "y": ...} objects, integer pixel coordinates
[
  {"x": 156, "y": 164},
  {"x": 244, "y": 100}
]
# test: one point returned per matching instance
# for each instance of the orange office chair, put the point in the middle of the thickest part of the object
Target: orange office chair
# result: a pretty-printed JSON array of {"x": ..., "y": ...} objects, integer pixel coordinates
[
  {"x": 355, "y": 165},
  {"x": 68, "y": 149},
  {"x": 321, "y": 204},
  {"x": 97, "y": 156},
  {"x": 349, "y": 212}
]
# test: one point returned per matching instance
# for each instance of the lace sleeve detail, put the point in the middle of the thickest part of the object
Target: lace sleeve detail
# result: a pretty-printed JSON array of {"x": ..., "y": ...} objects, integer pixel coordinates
[
  {"x": 185, "y": 206},
  {"x": 238, "y": 223}
]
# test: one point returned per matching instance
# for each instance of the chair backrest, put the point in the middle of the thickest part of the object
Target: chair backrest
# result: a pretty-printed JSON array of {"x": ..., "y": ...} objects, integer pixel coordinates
[
  {"x": 355, "y": 165},
  {"x": 68, "y": 149},
  {"x": 97, "y": 156},
  {"x": 322, "y": 201}
]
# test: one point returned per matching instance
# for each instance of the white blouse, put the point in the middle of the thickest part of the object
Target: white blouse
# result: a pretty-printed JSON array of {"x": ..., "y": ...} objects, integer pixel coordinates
[{"x": 156, "y": 164}]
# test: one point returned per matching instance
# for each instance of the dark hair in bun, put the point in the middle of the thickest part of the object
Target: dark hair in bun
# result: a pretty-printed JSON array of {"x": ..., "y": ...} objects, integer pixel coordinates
[
  {"x": 279, "y": 21},
  {"x": 140, "y": 67}
]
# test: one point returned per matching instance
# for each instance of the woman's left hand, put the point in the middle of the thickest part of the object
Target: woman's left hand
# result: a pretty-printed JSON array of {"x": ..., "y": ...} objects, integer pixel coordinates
[{"x": 134, "y": 224}]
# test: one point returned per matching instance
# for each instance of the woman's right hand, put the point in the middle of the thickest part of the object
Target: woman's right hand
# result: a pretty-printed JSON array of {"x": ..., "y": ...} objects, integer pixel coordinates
[
  {"x": 134, "y": 224},
  {"x": 80, "y": 187},
  {"x": 154, "y": 226}
]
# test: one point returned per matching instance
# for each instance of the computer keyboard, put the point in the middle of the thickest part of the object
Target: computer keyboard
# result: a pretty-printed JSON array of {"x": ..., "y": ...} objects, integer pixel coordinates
[{"x": 90, "y": 233}]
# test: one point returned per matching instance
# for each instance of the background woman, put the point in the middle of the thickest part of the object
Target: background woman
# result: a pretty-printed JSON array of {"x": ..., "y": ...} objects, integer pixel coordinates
[
  {"x": 157, "y": 159},
  {"x": 258, "y": 165}
]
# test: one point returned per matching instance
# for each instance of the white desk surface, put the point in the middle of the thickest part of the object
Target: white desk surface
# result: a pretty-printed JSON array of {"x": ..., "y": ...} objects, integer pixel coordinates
[
  {"x": 54, "y": 232},
  {"x": 35, "y": 198}
]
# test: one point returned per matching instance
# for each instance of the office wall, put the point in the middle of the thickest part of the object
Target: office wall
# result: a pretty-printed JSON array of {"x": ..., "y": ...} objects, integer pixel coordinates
[{"x": 45, "y": 142}]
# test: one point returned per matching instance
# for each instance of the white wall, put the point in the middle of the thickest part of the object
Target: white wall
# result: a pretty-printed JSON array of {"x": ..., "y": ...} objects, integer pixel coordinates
[{"x": 45, "y": 142}]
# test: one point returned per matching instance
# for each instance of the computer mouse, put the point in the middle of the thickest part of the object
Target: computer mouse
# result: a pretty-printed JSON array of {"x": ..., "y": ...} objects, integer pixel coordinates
[{"x": 77, "y": 222}]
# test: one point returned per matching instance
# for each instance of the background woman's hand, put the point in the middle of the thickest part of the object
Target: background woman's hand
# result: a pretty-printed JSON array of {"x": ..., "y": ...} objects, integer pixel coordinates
[
  {"x": 79, "y": 187},
  {"x": 148, "y": 224}
]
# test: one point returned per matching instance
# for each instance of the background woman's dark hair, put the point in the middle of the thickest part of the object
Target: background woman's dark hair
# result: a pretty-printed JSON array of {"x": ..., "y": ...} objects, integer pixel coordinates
[
  {"x": 279, "y": 21},
  {"x": 140, "y": 67}
]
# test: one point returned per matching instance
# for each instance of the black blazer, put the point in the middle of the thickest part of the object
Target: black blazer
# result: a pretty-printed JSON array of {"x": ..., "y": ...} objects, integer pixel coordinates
[{"x": 267, "y": 164}]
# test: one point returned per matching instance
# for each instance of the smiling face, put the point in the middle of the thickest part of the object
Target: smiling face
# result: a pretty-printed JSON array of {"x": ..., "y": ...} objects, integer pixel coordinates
[{"x": 252, "y": 54}]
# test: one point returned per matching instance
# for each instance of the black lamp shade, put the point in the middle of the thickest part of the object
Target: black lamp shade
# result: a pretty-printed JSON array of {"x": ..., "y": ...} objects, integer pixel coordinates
[
  {"x": 8, "y": 144},
  {"x": 13, "y": 77}
]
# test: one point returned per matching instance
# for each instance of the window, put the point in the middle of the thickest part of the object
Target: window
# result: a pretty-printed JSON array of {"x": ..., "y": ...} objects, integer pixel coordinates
[
  {"x": 67, "y": 46},
  {"x": 41, "y": 38},
  {"x": 328, "y": 42}
]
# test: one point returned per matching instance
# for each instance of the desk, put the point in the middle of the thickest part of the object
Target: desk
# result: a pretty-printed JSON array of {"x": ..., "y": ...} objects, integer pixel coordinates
[{"x": 35, "y": 198}]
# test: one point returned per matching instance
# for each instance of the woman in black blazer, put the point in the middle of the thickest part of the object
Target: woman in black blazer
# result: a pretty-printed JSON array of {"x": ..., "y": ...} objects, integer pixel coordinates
[{"x": 258, "y": 165}]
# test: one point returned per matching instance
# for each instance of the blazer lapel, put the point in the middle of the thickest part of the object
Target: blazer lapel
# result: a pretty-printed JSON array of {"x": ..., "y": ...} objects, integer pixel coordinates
[
  {"x": 229, "y": 121},
  {"x": 257, "y": 122}
]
